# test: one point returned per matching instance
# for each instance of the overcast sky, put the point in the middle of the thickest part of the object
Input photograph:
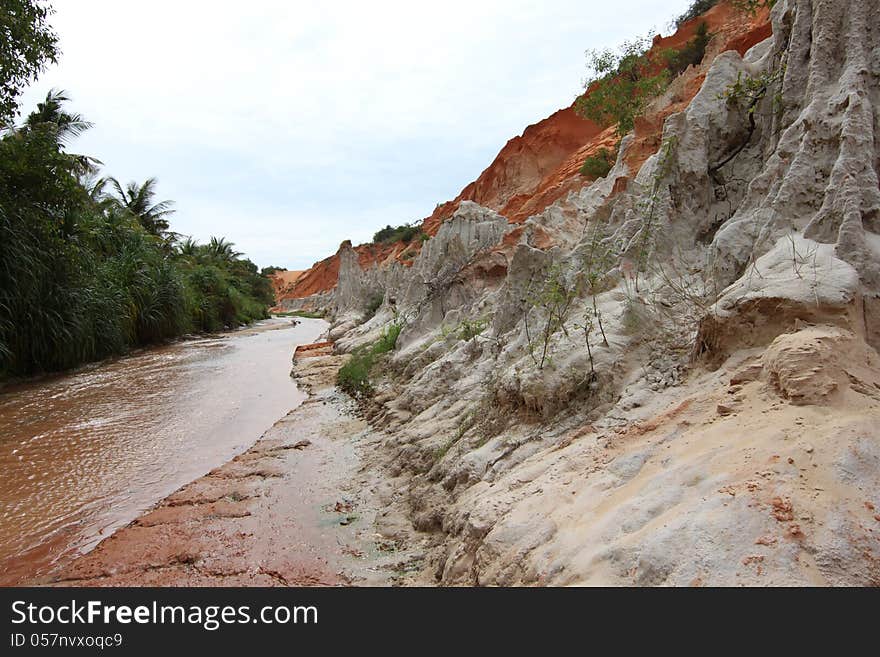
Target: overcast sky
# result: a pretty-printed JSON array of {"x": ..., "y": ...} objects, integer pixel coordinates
[{"x": 290, "y": 126}]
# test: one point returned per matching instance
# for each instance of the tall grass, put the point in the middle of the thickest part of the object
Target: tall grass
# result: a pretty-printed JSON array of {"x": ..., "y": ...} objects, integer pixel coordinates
[
  {"x": 82, "y": 279},
  {"x": 354, "y": 376}
]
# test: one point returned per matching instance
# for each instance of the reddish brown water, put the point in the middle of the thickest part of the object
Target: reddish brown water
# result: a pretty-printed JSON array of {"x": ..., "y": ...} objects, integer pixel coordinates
[{"x": 85, "y": 453}]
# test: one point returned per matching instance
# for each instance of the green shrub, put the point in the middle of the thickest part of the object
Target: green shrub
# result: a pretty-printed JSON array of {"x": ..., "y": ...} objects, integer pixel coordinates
[
  {"x": 354, "y": 376},
  {"x": 388, "y": 340},
  {"x": 621, "y": 85},
  {"x": 405, "y": 233},
  {"x": 598, "y": 165},
  {"x": 469, "y": 330}
]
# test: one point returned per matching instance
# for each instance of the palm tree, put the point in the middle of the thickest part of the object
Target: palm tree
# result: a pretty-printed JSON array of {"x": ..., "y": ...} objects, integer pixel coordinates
[
  {"x": 51, "y": 111},
  {"x": 96, "y": 188},
  {"x": 222, "y": 250},
  {"x": 188, "y": 247},
  {"x": 64, "y": 125},
  {"x": 138, "y": 200}
]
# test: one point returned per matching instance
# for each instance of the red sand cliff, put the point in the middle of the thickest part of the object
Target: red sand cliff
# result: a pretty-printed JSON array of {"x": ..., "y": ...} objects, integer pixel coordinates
[{"x": 542, "y": 165}]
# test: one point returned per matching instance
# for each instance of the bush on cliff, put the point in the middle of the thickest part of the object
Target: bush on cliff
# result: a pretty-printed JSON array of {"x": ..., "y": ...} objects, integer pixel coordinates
[
  {"x": 623, "y": 82},
  {"x": 405, "y": 233},
  {"x": 599, "y": 164},
  {"x": 621, "y": 85}
]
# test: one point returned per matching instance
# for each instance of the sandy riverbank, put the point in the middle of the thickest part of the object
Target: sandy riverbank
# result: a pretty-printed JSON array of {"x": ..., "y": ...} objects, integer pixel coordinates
[{"x": 298, "y": 508}]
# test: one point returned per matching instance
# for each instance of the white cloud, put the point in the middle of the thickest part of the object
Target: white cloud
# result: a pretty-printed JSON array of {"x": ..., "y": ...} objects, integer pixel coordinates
[{"x": 290, "y": 126}]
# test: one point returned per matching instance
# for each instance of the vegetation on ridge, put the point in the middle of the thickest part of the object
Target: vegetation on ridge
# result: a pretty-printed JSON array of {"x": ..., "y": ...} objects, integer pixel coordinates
[
  {"x": 697, "y": 8},
  {"x": 405, "y": 233}
]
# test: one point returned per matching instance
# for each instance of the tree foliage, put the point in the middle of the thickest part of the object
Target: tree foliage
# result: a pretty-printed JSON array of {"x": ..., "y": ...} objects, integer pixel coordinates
[
  {"x": 27, "y": 45},
  {"x": 621, "y": 84},
  {"x": 138, "y": 201}
]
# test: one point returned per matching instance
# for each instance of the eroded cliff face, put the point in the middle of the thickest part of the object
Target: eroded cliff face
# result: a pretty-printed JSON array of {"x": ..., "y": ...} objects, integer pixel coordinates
[
  {"x": 542, "y": 166},
  {"x": 668, "y": 381}
]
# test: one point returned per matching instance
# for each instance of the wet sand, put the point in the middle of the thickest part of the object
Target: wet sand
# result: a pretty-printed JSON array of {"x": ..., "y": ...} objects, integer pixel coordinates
[{"x": 296, "y": 509}]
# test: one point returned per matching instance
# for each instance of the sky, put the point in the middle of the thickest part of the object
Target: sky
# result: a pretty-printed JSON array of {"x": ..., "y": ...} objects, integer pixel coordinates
[{"x": 290, "y": 126}]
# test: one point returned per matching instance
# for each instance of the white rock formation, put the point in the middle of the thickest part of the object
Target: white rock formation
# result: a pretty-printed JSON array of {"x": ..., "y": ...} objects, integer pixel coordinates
[{"x": 682, "y": 386}]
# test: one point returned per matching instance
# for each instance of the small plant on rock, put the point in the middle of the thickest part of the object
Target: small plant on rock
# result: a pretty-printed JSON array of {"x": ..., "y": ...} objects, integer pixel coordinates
[
  {"x": 745, "y": 94},
  {"x": 552, "y": 298},
  {"x": 644, "y": 243},
  {"x": 354, "y": 376},
  {"x": 470, "y": 329},
  {"x": 389, "y": 339},
  {"x": 597, "y": 262}
]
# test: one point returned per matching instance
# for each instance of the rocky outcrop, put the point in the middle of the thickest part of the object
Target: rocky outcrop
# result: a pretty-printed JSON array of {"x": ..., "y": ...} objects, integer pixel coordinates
[{"x": 667, "y": 380}]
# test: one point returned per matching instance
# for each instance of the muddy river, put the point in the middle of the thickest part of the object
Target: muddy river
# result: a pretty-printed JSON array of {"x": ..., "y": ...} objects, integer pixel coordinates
[{"x": 85, "y": 453}]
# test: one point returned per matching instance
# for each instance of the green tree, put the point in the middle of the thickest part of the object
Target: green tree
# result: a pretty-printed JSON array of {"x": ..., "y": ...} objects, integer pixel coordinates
[
  {"x": 139, "y": 201},
  {"x": 222, "y": 250},
  {"x": 621, "y": 85},
  {"x": 27, "y": 45},
  {"x": 188, "y": 248}
]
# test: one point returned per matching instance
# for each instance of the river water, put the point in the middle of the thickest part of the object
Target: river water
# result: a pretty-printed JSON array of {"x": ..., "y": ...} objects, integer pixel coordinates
[{"x": 85, "y": 453}]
